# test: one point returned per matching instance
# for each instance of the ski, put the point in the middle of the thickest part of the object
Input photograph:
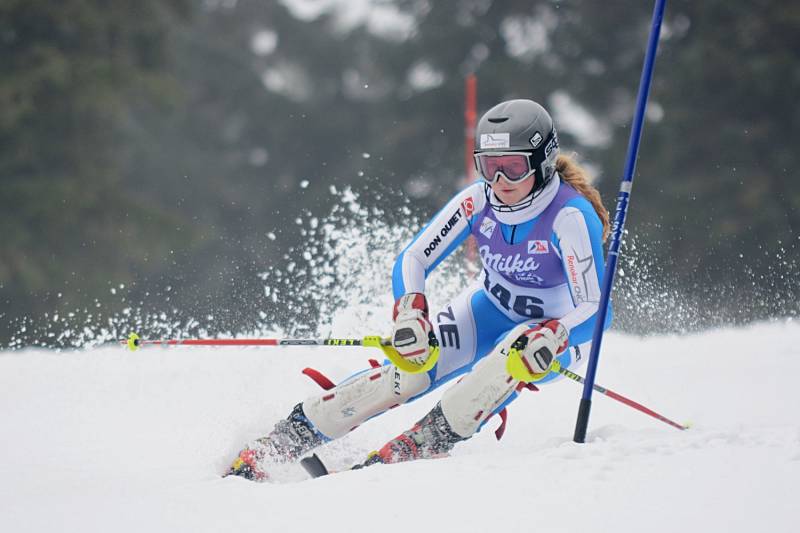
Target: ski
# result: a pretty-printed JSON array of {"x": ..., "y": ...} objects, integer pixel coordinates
[{"x": 314, "y": 466}]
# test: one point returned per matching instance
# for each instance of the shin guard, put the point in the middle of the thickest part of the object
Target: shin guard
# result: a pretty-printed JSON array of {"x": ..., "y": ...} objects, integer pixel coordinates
[
  {"x": 468, "y": 403},
  {"x": 340, "y": 410}
]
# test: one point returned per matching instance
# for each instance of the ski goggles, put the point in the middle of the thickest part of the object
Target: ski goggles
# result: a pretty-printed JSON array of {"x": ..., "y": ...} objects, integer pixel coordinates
[{"x": 513, "y": 166}]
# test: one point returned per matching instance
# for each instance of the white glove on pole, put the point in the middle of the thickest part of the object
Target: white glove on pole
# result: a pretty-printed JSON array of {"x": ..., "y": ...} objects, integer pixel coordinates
[
  {"x": 534, "y": 351},
  {"x": 412, "y": 335}
]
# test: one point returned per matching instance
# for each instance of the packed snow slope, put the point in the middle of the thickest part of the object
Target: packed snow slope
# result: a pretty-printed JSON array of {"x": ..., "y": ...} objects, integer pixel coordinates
[{"x": 106, "y": 440}]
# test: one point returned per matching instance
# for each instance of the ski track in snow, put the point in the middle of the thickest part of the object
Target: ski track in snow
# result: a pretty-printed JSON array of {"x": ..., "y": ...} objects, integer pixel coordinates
[{"x": 109, "y": 440}]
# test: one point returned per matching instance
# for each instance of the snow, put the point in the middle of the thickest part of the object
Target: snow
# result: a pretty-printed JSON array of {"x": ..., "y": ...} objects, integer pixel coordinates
[{"x": 110, "y": 440}]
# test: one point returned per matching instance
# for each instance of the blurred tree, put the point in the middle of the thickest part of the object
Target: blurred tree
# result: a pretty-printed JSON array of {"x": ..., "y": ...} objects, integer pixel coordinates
[
  {"x": 69, "y": 71},
  {"x": 137, "y": 146},
  {"x": 721, "y": 146}
]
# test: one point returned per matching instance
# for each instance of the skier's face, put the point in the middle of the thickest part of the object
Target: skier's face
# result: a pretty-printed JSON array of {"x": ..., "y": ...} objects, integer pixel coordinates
[
  {"x": 511, "y": 193},
  {"x": 508, "y": 173}
]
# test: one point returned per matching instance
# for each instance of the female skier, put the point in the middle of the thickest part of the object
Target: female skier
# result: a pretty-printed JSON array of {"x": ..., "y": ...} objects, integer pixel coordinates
[{"x": 539, "y": 227}]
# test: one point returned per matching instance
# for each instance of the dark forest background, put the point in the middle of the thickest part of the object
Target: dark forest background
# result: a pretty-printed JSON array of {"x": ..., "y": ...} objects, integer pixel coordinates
[{"x": 158, "y": 148}]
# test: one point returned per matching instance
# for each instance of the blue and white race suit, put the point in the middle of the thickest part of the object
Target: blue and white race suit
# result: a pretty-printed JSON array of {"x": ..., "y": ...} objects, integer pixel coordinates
[{"x": 544, "y": 261}]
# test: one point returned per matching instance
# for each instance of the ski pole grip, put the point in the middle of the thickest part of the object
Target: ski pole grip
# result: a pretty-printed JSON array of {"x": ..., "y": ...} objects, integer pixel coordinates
[{"x": 398, "y": 360}]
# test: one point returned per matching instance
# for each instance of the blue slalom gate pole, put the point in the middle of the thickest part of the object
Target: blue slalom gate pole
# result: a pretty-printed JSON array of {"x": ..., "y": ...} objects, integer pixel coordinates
[{"x": 619, "y": 221}]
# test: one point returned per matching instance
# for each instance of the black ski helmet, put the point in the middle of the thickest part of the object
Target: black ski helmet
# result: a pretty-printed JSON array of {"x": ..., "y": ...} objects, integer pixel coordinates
[{"x": 525, "y": 126}]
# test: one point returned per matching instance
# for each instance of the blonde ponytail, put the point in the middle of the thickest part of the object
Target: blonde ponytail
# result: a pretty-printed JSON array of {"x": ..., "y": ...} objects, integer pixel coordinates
[{"x": 576, "y": 176}]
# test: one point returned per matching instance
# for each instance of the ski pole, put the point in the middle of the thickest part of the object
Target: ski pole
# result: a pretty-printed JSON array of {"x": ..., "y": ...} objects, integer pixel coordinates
[
  {"x": 133, "y": 342},
  {"x": 620, "y": 398}
]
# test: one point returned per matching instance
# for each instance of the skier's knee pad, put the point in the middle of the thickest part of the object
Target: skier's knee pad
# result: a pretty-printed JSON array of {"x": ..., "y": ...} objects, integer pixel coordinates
[
  {"x": 339, "y": 410},
  {"x": 468, "y": 403}
]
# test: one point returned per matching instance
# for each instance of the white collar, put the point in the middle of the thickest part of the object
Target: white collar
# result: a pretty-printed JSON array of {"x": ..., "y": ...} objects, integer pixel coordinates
[{"x": 527, "y": 213}]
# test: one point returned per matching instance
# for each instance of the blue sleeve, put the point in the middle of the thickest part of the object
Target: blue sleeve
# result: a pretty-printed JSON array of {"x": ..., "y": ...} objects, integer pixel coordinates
[
  {"x": 445, "y": 232},
  {"x": 398, "y": 287}
]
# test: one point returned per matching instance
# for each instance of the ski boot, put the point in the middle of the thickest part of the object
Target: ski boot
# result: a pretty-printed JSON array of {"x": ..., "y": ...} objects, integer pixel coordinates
[
  {"x": 430, "y": 438},
  {"x": 289, "y": 439}
]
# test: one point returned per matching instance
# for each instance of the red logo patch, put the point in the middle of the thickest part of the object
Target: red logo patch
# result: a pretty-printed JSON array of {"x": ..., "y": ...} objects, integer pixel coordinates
[
  {"x": 538, "y": 247},
  {"x": 468, "y": 207}
]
